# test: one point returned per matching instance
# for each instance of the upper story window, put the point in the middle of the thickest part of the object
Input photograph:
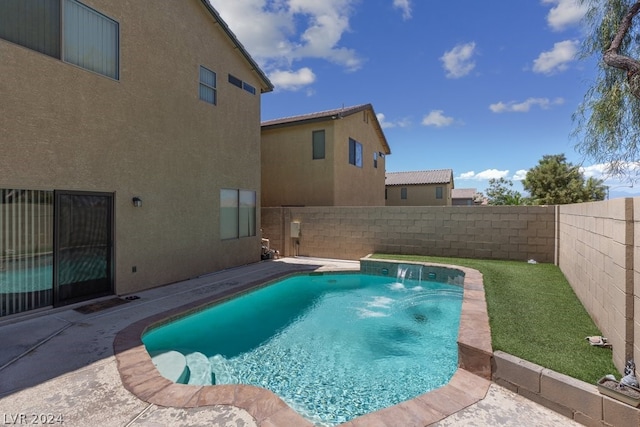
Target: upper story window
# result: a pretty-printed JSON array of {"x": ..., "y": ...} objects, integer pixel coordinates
[
  {"x": 355, "y": 153},
  {"x": 375, "y": 159},
  {"x": 439, "y": 192},
  {"x": 242, "y": 85},
  {"x": 317, "y": 137},
  {"x": 403, "y": 193},
  {"x": 64, "y": 29},
  {"x": 235, "y": 81},
  {"x": 246, "y": 86},
  {"x": 208, "y": 91}
]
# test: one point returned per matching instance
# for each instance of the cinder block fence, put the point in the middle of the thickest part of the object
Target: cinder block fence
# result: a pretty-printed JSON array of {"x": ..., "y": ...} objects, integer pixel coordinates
[{"x": 490, "y": 232}]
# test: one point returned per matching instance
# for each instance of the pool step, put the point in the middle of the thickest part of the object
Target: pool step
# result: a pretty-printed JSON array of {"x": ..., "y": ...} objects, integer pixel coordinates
[
  {"x": 222, "y": 372},
  {"x": 172, "y": 365},
  {"x": 200, "y": 369}
]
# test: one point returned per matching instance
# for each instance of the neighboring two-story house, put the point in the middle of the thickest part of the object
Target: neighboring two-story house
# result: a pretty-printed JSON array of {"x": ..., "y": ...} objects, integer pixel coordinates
[
  {"x": 329, "y": 158},
  {"x": 419, "y": 188},
  {"x": 130, "y": 139}
]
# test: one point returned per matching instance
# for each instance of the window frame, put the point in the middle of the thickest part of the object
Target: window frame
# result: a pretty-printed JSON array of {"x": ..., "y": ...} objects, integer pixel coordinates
[
  {"x": 235, "y": 206},
  {"x": 207, "y": 86},
  {"x": 317, "y": 145},
  {"x": 239, "y": 83},
  {"x": 355, "y": 153},
  {"x": 66, "y": 55},
  {"x": 403, "y": 193},
  {"x": 62, "y": 32},
  {"x": 439, "y": 193}
]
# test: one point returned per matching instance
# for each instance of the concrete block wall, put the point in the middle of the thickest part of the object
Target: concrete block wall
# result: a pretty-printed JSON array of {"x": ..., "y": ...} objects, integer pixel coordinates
[
  {"x": 489, "y": 232},
  {"x": 574, "y": 399},
  {"x": 635, "y": 301},
  {"x": 596, "y": 254}
]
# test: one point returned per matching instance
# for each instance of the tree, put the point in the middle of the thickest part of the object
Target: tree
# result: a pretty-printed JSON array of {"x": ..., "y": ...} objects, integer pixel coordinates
[
  {"x": 500, "y": 193},
  {"x": 608, "y": 119},
  {"x": 595, "y": 189},
  {"x": 554, "y": 181}
]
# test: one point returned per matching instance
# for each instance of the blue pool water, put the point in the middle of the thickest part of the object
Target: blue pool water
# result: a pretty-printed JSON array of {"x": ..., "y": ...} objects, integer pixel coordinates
[{"x": 333, "y": 346}]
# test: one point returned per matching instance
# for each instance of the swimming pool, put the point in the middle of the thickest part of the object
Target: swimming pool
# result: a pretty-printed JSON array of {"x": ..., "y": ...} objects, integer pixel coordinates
[{"x": 333, "y": 346}]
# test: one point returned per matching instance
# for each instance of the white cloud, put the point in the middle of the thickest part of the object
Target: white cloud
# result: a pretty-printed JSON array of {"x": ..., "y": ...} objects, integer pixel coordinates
[
  {"x": 279, "y": 32},
  {"x": 484, "y": 175},
  {"x": 557, "y": 59},
  {"x": 595, "y": 171},
  {"x": 630, "y": 172},
  {"x": 404, "y": 6},
  {"x": 565, "y": 13},
  {"x": 525, "y": 106},
  {"x": 437, "y": 118},
  {"x": 520, "y": 175},
  {"x": 467, "y": 175},
  {"x": 402, "y": 123},
  {"x": 292, "y": 80},
  {"x": 458, "y": 62}
]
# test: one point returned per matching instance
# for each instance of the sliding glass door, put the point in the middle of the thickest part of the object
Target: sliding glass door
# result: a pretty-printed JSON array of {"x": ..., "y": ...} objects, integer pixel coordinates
[
  {"x": 83, "y": 248},
  {"x": 26, "y": 250}
]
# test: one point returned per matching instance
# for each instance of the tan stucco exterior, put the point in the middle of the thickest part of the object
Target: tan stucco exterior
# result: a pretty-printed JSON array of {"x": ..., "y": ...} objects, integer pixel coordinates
[
  {"x": 146, "y": 134},
  {"x": 291, "y": 177},
  {"x": 419, "y": 195}
]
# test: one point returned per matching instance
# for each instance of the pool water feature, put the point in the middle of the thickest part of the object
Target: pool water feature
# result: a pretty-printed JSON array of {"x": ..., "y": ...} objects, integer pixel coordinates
[{"x": 333, "y": 346}]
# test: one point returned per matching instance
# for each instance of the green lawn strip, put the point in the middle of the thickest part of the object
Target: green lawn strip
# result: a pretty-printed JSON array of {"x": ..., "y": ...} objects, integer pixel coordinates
[{"x": 535, "y": 315}]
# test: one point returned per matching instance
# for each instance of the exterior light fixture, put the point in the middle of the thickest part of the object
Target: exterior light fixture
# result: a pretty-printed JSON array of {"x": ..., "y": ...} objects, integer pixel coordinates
[{"x": 137, "y": 201}]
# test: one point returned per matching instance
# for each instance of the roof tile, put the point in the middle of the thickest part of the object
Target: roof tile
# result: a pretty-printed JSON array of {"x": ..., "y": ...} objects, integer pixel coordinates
[{"x": 439, "y": 176}]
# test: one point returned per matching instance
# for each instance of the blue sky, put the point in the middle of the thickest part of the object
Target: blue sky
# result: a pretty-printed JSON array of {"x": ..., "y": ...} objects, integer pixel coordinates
[{"x": 485, "y": 88}]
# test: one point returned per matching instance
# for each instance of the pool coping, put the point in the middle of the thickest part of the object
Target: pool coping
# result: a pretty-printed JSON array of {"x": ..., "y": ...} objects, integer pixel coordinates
[{"x": 468, "y": 385}]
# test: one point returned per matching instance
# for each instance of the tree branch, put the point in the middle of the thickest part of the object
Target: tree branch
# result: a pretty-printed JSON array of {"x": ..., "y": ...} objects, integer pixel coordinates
[{"x": 613, "y": 58}]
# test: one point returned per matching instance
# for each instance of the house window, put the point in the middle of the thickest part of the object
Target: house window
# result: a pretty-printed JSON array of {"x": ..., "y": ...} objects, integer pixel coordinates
[
  {"x": 246, "y": 86},
  {"x": 89, "y": 39},
  {"x": 375, "y": 159},
  {"x": 318, "y": 144},
  {"x": 208, "y": 91},
  {"x": 237, "y": 213},
  {"x": 43, "y": 15},
  {"x": 235, "y": 81},
  {"x": 438, "y": 192},
  {"x": 403, "y": 193},
  {"x": 247, "y": 213},
  {"x": 242, "y": 85},
  {"x": 355, "y": 153}
]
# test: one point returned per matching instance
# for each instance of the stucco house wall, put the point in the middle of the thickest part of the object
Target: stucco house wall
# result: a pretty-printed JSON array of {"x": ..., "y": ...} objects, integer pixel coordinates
[
  {"x": 146, "y": 134},
  {"x": 291, "y": 177},
  {"x": 419, "y": 195},
  {"x": 419, "y": 188}
]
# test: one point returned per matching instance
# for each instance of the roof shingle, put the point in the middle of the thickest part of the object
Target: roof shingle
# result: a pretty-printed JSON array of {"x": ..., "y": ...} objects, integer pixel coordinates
[
  {"x": 463, "y": 193},
  {"x": 439, "y": 176}
]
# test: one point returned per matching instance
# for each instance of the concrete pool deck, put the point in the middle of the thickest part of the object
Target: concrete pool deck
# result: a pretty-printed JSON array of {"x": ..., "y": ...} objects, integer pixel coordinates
[{"x": 81, "y": 369}]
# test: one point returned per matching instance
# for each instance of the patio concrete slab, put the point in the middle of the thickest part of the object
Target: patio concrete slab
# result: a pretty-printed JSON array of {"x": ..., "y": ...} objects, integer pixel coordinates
[
  {"x": 501, "y": 407},
  {"x": 60, "y": 363}
]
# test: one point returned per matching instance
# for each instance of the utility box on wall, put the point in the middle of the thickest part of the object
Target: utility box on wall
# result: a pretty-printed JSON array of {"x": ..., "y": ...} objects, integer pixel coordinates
[{"x": 295, "y": 230}]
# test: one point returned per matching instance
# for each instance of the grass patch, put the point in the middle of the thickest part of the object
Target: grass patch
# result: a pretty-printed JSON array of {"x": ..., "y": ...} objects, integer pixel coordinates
[{"x": 535, "y": 315}]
